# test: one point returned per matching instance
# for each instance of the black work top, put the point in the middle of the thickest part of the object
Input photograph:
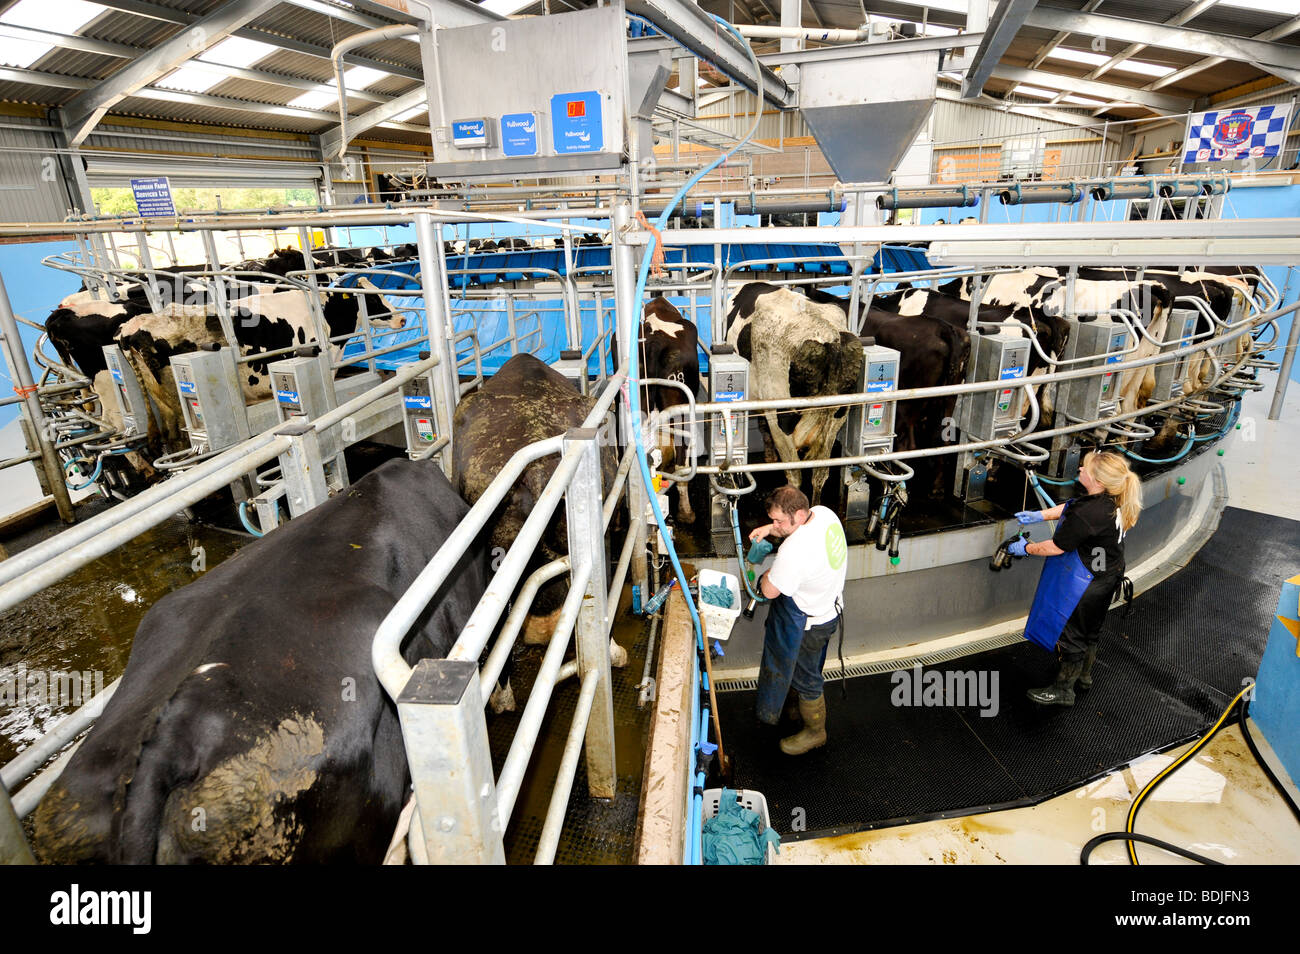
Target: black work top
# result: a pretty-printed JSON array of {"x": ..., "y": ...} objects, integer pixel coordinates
[{"x": 1090, "y": 525}]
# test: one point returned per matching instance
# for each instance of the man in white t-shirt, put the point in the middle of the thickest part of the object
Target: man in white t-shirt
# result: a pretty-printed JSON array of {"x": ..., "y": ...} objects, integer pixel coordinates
[{"x": 806, "y": 588}]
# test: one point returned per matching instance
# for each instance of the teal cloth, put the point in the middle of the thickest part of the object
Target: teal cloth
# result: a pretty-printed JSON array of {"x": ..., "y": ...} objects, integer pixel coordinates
[
  {"x": 717, "y": 594},
  {"x": 731, "y": 837},
  {"x": 758, "y": 551}
]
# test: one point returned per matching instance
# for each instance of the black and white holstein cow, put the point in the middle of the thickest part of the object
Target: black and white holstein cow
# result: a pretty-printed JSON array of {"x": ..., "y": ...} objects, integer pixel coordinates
[
  {"x": 249, "y": 726},
  {"x": 264, "y": 321},
  {"x": 669, "y": 351},
  {"x": 525, "y": 401},
  {"x": 928, "y": 330},
  {"x": 796, "y": 348},
  {"x": 1050, "y": 331},
  {"x": 1041, "y": 292}
]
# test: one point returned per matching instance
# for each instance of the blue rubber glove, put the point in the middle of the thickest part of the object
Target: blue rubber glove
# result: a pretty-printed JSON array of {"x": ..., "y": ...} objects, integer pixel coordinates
[
  {"x": 1018, "y": 548},
  {"x": 1027, "y": 517}
]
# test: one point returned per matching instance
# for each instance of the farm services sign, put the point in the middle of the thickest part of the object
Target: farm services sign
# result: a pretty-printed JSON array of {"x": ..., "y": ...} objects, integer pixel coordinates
[{"x": 153, "y": 198}]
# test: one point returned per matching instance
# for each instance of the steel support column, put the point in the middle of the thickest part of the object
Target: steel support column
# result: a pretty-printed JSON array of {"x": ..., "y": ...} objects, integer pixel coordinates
[
  {"x": 21, "y": 374},
  {"x": 445, "y": 734},
  {"x": 584, "y": 510},
  {"x": 626, "y": 310},
  {"x": 433, "y": 282}
]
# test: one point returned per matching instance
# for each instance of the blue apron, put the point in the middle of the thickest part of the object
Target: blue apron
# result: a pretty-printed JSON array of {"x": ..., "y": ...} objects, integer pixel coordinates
[
  {"x": 1060, "y": 588},
  {"x": 782, "y": 637}
]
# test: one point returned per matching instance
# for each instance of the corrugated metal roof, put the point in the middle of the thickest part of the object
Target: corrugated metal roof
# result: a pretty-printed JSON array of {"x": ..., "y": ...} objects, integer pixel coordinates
[
  {"x": 77, "y": 63},
  {"x": 37, "y": 95},
  {"x": 119, "y": 27},
  {"x": 296, "y": 64},
  {"x": 305, "y": 25}
]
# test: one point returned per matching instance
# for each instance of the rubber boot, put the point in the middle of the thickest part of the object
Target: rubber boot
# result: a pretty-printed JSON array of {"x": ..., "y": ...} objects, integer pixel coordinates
[
  {"x": 1060, "y": 692},
  {"x": 1085, "y": 677},
  {"x": 813, "y": 733}
]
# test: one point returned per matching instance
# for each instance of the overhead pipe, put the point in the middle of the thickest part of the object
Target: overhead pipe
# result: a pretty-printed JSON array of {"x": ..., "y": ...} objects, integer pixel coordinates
[
  {"x": 336, "y": 59},
  {"x": 961, "y": 197},
  {"x": 804, "y": 33},
  {"x": 755, "y": 206}
]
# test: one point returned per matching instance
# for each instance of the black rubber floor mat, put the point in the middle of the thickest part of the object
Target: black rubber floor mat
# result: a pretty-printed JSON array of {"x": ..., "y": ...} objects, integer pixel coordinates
[{"x": 1163, "y": 675}]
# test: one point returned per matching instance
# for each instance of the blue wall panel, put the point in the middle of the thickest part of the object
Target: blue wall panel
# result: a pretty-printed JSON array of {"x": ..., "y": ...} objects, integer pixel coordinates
[
  {"x": 1276, "y": 708},
  {"x": 34, "y": 290}
]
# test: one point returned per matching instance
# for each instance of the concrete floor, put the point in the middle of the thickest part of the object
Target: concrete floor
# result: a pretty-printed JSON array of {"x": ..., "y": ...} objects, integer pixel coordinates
[{"x": 1219, "y": 805}]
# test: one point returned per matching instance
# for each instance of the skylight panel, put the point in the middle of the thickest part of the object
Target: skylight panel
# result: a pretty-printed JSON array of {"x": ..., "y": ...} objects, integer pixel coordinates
[
  {"x": 21, "y": 52},
  {"x": 64, "y": 16},
  {"x": 190, "y": 79},
  {"x": 1077, "y": 56},
  {"x": 360, "y": 77},
  {"x": 237, "y": 51},
  {"x": 1082, "y": 100},
  {"x": 1034, "y": 91},
  {"x": 505, "y": 7},
  {"x": 316, "y": 99}
]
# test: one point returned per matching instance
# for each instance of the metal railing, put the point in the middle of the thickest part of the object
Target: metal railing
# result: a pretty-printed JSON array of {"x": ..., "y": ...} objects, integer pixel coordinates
[
  {"x": 44, "y": 564},
  {"x": 455, "y": 824}
]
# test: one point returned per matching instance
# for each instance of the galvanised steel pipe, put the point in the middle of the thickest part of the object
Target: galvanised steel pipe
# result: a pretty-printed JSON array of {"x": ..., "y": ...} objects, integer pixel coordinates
[
  {"x": 523, "y": 604},
  {"x": 105, "y": 535},
  {"x": 54, "y": 739},
  {"x": 968, "y": 388},
  {"x": 255, "y": 448},
  {"x": 21, "y": 375},
  {"x": 26, "y": 800},
  {"x": 482, "y": 622},
  {"x": 530, "y": 723},
  {"x": 385, "y": 654},
  {"x": 558, "y": 807},
  {"x": 295, "y": 218}
]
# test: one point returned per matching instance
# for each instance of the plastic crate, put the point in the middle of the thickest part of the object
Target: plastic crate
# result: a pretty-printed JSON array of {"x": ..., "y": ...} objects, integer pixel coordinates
[
  {"x": 748, "y": 798},
  {"x": 718, "y": 620}
]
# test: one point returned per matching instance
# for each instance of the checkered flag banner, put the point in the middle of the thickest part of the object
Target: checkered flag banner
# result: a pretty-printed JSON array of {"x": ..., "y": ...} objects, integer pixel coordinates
[{"x": 1224, "y": 134}]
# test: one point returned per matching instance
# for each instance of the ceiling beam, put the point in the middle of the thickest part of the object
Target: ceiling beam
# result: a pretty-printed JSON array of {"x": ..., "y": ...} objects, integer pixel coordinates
[
  {"x": 812, "y": 7},
  {"x": 37, "y": 78},
  {"x": 696, "y": 30},
  {"x": 1001, "y": 30},
  {"x": 66, "y": 41},
  {"x": 1058, "y": 39},
  {"x": 1242, "y": 49},
  {"x": 1284, "y": 29},
  {"x": 60, "y": 81},
  {"x": 240, "y": 105},
  {"x": 153, "y": 11},
  {"x": 1191, "y": 13},
  {"x": 84, "y": 112},
  {"x": 1161, "y": 102},
  {"x": 1276, "y": 33},
  {"x": 1026, "y": 109},
  {"x": 332, "y": 140},
  {"x": 103, "y": 47}
]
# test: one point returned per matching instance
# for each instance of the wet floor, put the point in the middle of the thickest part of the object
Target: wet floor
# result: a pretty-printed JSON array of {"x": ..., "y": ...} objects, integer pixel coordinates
[
  {"x": 84, "y": 624},
  {"x": 596, "y": 831}
]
